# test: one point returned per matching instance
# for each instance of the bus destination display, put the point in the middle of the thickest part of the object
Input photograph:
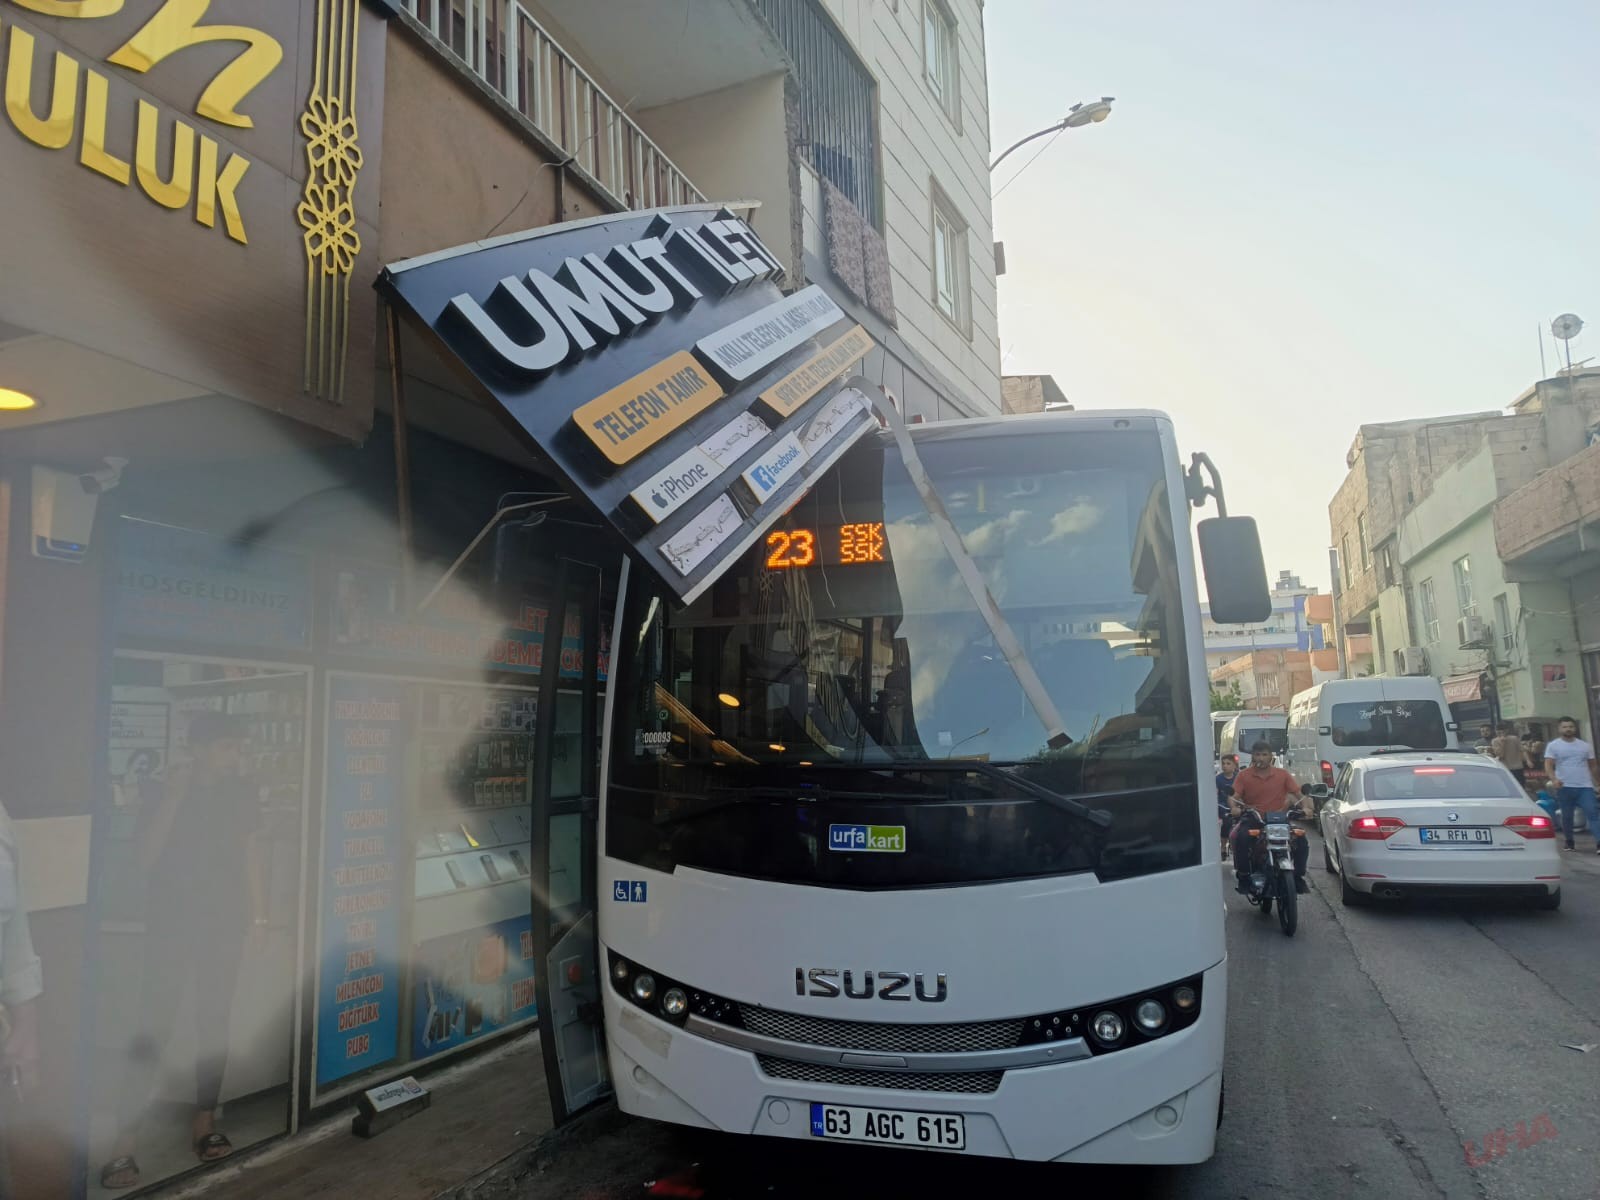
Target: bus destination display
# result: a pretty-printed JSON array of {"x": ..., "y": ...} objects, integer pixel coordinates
[{"x": 843, "y": 545}]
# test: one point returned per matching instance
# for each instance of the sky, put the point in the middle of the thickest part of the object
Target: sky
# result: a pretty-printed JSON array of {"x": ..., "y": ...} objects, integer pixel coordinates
[{"x": 1298, "y": 218}]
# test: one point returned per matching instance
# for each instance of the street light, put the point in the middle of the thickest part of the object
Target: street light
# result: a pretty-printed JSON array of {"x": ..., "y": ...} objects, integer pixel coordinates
[{"x": 1089, "y": 112}]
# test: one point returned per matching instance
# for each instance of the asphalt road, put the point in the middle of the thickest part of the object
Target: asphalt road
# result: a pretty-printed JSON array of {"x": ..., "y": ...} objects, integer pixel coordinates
[{"x": 1387, "y": 1053}]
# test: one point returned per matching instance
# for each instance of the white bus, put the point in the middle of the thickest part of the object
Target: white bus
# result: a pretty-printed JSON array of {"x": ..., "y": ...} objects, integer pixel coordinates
[{"x": 879, "y": 865}]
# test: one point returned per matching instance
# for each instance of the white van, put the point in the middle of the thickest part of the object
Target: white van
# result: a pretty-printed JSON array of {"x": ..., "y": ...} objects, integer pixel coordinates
[
  {"x": 1346, "y": 718},
  {"x": 1245, "y": 729}
]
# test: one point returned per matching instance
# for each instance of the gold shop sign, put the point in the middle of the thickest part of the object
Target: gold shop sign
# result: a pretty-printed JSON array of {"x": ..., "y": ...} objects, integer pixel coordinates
[
  {"x": 195, "y": 173},
  {"x": 65, "y": 103}
]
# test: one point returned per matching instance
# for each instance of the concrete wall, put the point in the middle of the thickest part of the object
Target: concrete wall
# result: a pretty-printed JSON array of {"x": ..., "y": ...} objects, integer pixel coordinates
[
  {"x": 1550, "y": 506},
  {"x": 1546, "y": 635},
  {"x": 485, "y": 176},
  {"x": 921, "y": 145},
  {"x": 733, "y": 144}
]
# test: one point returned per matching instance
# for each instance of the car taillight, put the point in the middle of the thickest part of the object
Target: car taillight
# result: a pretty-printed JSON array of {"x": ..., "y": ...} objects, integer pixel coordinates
[
  {"x": 1375, "y": 829},
  {"x": 1327, "y": 772},
  {"x": 1532, "y": 826}
]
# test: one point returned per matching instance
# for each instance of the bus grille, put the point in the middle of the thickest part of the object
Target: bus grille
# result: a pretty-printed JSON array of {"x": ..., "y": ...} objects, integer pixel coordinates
[
  {"x": 908, "y": 1081},
  {"x": 880, "y": 1037}
]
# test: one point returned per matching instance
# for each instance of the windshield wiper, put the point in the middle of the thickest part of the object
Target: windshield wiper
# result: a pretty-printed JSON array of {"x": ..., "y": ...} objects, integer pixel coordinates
[
  {"x": 1077, "y": 808},
  {"x": 1037, "y": 791}
]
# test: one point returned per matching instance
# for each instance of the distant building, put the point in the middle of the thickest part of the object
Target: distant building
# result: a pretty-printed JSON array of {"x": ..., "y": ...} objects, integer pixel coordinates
[
  {"x": 1288, "y": 628},
  {"x": 1463, "y": 553},
  {"x": 1031, "y": 394},
  {"x": 1271, "y": 678}
]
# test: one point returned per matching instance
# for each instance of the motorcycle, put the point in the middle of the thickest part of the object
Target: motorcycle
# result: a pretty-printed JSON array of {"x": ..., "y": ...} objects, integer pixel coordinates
[{"x": 1270, "y": 877}]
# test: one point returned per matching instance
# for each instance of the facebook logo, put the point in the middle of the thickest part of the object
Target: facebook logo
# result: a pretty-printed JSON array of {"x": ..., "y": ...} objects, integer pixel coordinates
[
  {"x": 763, "y": 479},
  {"x": 629, "y": 891}
]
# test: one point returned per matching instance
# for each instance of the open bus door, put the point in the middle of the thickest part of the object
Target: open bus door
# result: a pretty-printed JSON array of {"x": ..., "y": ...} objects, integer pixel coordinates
[{"x": 565, "y": 788}]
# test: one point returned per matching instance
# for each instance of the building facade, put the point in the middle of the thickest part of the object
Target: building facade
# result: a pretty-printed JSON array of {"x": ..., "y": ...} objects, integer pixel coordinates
[
  {"x": 1289, "y": 628},
  {"x": 231, "y": 517},
  {"x": 1438, "y": 529}
]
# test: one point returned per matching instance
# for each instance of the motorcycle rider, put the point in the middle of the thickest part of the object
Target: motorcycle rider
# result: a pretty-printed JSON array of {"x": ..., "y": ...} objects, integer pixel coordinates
[{"x": 1264, "y": 788}]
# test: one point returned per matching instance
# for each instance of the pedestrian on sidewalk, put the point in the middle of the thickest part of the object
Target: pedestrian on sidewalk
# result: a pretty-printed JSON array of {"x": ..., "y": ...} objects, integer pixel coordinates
[
  {"x": 1508, "y": 749},
  {"x": 1569, "y": 761}
]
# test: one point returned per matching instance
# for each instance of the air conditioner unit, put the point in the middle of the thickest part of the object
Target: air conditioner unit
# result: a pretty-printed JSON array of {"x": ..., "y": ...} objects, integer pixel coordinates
[
  {"x": 1471, "y": 632},
  {"x": 1413, "y": 660}
]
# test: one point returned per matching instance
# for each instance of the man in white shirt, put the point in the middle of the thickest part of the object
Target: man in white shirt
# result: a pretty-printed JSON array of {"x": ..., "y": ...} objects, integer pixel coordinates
[{"x": 1569, "y": 762}]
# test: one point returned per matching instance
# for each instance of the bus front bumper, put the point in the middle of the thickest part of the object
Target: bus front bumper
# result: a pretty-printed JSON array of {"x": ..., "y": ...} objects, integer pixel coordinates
[{"x": 1154, "y": 1103}]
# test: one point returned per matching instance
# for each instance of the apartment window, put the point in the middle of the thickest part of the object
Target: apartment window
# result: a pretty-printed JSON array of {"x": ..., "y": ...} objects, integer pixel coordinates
[
  {"x": 1361, "y": 540},
  {"x": 1463, "y": 573},
  {"x": 1344, "y": 559},
  {"x": 950, "y": 290},
  {"x": 1425, "y": 606},
  {"x": 1502, "y": 623},
  {"x": 941, "y": 62},
  {"x": 1386, "y": 567},
  {"x": 1269, "y": 685},
  {"x": 836, "y": 101},
  {"x": 1377, "y": 641}
]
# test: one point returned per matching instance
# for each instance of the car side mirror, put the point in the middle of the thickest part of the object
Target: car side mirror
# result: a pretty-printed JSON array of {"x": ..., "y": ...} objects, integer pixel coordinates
[
  {"x": 1235, "y": 573},
  {"x": 1318, "y": 791}
]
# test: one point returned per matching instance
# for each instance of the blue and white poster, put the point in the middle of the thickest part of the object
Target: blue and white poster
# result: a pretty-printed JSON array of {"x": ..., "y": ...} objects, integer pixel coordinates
[
  {"x": 178, "y": 583},
  {"x": 358, "y": 1001},
  {"x": 472, "y": 984}
]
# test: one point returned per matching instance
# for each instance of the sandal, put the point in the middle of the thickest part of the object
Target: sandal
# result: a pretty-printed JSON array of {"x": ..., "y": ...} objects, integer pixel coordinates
[
  {"x": 204, "y": 1147},
  {"x": 118, "y": 1166}
]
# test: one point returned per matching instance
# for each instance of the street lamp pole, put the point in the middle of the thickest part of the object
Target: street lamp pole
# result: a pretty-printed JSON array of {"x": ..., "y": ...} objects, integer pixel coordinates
[{"x": 1089, "y": 112}]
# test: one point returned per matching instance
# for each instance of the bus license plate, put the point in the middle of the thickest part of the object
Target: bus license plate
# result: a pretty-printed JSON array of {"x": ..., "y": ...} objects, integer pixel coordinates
[
  {"x": 926, "y": 1131},
  {"x": 1469, "y": 836}
]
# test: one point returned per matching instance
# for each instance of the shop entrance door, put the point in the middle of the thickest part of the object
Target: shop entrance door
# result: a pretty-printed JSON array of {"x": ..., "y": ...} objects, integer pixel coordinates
[{"x": 565, "y": 804}]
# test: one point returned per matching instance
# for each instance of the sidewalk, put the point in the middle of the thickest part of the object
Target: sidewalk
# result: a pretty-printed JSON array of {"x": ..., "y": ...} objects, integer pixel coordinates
[{"x": 481, "y": 1112}]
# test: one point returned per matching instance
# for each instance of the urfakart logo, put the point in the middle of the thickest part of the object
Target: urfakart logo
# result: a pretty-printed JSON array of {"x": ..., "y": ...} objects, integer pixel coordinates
[
  {"x": 887, "y": 985},
  {"x": 870, "y": 839}
]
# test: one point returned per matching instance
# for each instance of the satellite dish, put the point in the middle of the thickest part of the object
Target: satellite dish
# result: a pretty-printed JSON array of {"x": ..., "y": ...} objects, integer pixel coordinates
[{"x": 1567, "y": 326}]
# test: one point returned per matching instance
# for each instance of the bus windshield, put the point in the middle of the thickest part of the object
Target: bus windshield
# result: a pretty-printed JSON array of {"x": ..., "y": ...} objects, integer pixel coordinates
[{"x": 846, "y": 650}]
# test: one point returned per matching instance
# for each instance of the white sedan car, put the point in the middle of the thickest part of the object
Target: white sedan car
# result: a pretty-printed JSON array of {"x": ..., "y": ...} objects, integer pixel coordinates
[{"x": 1441, "y": 821}]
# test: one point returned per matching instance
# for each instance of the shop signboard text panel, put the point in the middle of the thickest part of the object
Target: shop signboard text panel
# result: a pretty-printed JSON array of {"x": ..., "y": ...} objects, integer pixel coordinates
[{"x": 358, "y": 1005}]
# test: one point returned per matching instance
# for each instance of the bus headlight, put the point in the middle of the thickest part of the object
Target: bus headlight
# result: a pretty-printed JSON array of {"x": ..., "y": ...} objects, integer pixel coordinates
[
  {"x": 1107, "y": 1027},
  {"x": 644, "y": 987},
  {"x": 1184, "y": 998},
  {"x": 1150, "y": 1016},
  {"x": 619, "y": 970},
  {"x": 674, "y": 1003}
]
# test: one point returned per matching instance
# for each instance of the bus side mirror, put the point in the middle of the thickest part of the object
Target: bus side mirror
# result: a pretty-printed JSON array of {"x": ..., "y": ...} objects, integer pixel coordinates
[{"x": 1236, "y": 575}]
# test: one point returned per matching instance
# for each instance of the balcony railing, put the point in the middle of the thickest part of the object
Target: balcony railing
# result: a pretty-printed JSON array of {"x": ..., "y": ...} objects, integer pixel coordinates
[{"x": 500, "y": 42}]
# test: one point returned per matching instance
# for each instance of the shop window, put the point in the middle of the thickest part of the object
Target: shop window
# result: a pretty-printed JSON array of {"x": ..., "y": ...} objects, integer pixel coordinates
[{"x": 197, "y": 905}]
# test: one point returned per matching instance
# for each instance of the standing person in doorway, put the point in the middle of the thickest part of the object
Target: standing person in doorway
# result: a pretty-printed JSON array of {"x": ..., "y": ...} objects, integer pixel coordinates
[
  {"x": 1569, "y": 761},
  {"x": 1508, "y": 749},
  {"x": 201, "y": 854}
]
